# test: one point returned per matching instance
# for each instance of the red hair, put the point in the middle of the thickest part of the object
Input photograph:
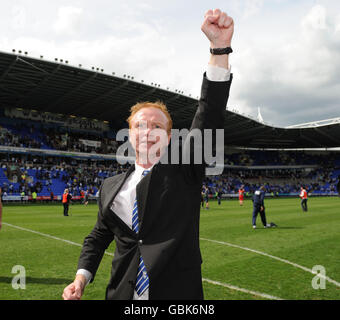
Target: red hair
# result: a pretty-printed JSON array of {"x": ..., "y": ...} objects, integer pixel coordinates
[{"x": 158, "y": 104}]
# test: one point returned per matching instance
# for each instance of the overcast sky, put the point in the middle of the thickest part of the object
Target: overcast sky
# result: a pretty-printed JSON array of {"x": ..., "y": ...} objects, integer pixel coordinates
[{"x": 286, "y": 56}]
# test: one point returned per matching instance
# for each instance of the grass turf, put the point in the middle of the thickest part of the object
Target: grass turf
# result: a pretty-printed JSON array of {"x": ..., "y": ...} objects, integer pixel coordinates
[{"x": 239, "y": 263}]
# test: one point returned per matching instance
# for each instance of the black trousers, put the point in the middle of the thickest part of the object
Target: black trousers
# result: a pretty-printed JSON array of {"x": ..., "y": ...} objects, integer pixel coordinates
[
  {"x": 65, "y": 209},
  {"x": 304, "y": 204}
]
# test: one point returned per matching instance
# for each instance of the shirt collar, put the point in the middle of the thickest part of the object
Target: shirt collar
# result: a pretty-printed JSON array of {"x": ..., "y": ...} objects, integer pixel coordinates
[{"x": 139, "y": 169}]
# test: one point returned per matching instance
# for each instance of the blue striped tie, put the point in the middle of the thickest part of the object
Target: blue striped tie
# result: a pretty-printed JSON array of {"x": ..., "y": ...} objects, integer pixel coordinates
[{"x": 142, "y": 282}]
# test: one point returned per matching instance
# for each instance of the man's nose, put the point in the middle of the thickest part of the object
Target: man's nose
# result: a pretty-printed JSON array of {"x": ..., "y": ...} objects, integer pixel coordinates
[{"x": 148, "y": 129}]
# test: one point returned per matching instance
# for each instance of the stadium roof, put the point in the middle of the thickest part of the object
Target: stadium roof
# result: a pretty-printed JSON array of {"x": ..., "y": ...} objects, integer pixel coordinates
[{"x": 57, "y": 87}]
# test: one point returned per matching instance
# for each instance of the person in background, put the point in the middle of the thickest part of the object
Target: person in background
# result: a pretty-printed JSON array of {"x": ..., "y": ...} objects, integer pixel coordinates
[
  {"x": 219, "y": 196},
  {"x": 202, "y": 198},
  {"x": 206, "y": 197},
  {"x": 258, "y": 207},
  {"x": 241, "y": 195},
  {"x": 66, "y": 201},
  {"x": 304, "y": 197},
  {"x": 86, "y": 198},
  {"x": 34, "y": 197}
]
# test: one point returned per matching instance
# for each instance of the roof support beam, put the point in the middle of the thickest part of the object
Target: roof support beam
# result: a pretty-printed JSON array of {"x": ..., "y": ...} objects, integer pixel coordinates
[
  {"x": 311, "y": 140},
  {"x": 38, "y": 85},
  {"x": 237, "y": 124},
  {"x": 245, "y": 131},
  {"x": 69, "y": 93},
  {"x": 4, "y": 74},
  {"x": 100, "y": 98},
  {"x": 318, "y": 130},
  {"x": 128, "y": 103},
  {"x": 32, "y": 65}
]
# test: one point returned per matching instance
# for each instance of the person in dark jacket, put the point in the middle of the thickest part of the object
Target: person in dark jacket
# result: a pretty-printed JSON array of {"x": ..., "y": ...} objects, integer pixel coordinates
[
  {"x": 152, "y": 211},
  {"x": 258, "y": 207}
]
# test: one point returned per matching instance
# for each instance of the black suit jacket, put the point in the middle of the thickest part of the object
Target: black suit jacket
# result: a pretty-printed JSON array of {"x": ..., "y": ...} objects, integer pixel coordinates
[{"x": 169, "y": 210}]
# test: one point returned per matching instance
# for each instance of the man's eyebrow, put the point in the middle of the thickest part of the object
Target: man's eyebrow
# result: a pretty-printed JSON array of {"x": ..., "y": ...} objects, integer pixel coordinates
[{"x": 157, "y": 122}]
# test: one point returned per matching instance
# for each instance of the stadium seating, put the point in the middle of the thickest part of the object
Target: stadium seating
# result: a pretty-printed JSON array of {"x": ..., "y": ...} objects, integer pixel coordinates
[{"x": 282, "y": 172}]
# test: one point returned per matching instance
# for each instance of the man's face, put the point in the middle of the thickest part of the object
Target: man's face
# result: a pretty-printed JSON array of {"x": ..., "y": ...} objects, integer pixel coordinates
[{"x": 148, "y": 132}]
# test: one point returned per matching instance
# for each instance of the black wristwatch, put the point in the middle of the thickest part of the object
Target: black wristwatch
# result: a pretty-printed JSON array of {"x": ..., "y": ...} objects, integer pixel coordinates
[{"x": 220, "y": 51}]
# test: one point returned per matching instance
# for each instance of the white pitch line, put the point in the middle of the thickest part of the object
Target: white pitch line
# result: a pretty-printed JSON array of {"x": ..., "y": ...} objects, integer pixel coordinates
[
  {"x": 49, "y": 236},
  {"x": 264, "y": 295},
  {"x": 229, "y": 286},
  {"x": 275, "y": 258}
]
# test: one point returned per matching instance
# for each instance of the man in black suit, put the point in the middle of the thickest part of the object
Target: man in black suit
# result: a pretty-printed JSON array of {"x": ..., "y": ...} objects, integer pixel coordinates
[{"x": 152, "y": 211}]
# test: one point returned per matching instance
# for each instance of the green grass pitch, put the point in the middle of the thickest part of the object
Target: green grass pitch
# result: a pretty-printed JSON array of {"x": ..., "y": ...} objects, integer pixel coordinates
[{"x": 239, "y": 263}]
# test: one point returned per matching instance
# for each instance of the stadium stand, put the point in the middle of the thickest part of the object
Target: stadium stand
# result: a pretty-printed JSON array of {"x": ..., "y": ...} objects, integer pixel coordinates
[
  {"x": 282, "y": 172},
  {"x": 44, "y": 151}
]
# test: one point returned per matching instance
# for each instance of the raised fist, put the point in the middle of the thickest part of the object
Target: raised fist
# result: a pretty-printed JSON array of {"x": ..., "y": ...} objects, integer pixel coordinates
[{"x": 219, "y": 28}]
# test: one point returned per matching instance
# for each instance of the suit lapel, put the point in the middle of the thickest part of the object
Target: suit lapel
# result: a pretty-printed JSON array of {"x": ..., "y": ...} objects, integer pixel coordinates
[{"x": 115, "y": 187}]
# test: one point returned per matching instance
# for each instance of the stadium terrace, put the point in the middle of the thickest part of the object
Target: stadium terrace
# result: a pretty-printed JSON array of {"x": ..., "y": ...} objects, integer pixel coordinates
[{"x": 59, "y": 125}]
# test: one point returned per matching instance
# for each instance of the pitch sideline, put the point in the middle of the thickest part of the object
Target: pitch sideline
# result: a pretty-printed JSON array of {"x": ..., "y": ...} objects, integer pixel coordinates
[
  {"x": 232, "y": 287},
  {"x": 275, "y": 258}
]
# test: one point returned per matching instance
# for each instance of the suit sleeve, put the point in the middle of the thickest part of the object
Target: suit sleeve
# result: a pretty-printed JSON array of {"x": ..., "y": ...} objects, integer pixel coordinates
[
  {"x": 95, "y": 243},
  {"x": 212, "y": 104},
  {"x": 210, "y": 114}
]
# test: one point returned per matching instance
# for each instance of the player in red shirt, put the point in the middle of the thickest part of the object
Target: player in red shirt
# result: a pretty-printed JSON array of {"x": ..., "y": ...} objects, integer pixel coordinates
[
  {"x": 304, "y": 198},
  {"x": 241, "y": 195}
]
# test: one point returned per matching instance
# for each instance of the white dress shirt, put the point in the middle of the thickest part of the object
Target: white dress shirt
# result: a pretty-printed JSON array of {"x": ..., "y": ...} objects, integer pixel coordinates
[
  {"x": 123, "y": 207},
  {"x": 123, "y": 202}
]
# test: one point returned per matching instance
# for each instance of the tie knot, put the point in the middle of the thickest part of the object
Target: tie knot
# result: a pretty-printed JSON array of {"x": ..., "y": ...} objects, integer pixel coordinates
[{"x": 145, "y": 172}]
